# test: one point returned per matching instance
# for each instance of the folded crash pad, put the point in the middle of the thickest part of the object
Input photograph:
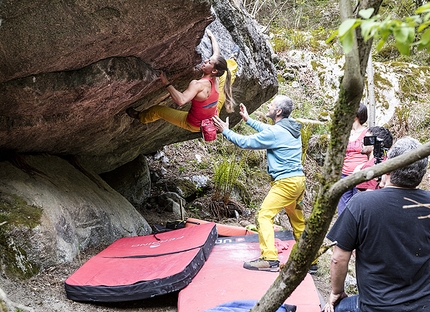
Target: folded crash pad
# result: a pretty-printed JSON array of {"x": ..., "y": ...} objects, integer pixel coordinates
[{"x": 141, "y": 267}]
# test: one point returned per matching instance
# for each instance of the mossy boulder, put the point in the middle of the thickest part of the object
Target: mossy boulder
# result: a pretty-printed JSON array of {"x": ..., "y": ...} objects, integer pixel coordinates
[{"x": 18, "y": 221}]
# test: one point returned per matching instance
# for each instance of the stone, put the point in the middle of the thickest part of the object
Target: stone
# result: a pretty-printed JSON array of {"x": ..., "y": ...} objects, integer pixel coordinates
[
  {"x": 131, "y": 180},
  {"x": 78, "y": 210},
  {"x": 67, "y": 74}
]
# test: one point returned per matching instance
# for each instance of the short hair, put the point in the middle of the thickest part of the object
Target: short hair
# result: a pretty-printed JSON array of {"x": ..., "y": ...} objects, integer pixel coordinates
[
  {"x": 285, "y": 104},
  {"x": 361, "y": 113},
  {"x": 411, "y": 175},
  {"x": 383, "y": 134}
]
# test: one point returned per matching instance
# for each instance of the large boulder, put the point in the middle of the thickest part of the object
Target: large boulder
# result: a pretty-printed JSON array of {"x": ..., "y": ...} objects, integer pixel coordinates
[
  {"x": 51, "y": 209},
  {"x": 68, "y": 73}
]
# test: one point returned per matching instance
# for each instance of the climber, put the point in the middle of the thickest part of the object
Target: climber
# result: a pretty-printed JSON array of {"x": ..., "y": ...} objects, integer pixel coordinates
[{"x": 207, "y": 95}]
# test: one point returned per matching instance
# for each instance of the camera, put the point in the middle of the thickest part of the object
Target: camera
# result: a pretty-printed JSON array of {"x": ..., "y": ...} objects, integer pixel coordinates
[
  {"x": 378, "y": 147},
  {"x": 371, "y": 140}
]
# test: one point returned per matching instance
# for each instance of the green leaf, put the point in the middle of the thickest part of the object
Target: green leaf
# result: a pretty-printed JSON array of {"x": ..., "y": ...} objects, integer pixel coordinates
[
  {"x": 385, "y": 28},
  {"x": 424, "y": 42},
  {"x": 347, "y": 25},
  {"x": 368, "y": 29},
  {"x": 380, "y": 44},
  {"x": 367, "y": 13},
  {"x": 423, "y": 9},
  {"x": 425, "y": 38},
  {"x": 413, "y": 20},
  {"x": 403, "y": 48},
  {"x": 404, "y": 34},
  {"x": 348, "y": 41},
  {"x": 411, "y": 35},
  {"x": 423, "y": 26}
]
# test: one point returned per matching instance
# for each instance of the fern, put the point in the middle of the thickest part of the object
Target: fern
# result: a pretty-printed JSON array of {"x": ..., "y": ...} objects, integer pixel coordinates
[{"x": 226, "y": 174}]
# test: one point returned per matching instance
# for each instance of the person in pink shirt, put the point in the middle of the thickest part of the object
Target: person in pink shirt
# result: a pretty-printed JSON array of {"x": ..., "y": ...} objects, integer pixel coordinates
[
  {"x": 376, "y": 153},
  {"x": 353, "y": 156}
]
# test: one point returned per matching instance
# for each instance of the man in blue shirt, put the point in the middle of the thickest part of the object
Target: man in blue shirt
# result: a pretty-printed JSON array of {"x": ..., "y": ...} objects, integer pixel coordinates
[{"x": 284, "y": 158}]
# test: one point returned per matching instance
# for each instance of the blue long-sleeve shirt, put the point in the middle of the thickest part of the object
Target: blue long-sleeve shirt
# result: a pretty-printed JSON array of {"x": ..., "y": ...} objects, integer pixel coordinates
[{"x": 282, "y": 142}]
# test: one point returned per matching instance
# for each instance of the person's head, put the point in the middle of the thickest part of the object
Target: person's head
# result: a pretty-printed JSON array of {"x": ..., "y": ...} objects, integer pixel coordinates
[
  {"x": 280, "y": 107},
  {"x": 382, "y": 134},
  {"x": 409, "y": 176},
  {"x": 361, "y": 114},
  {"x": 214, "y": 66}
]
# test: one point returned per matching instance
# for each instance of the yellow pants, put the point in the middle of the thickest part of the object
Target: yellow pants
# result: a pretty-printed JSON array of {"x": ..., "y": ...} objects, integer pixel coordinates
[
  {"x": 178, "y": 117},
  {"x": 284, "y": 194},
  {"x": 171, "y": 115}
]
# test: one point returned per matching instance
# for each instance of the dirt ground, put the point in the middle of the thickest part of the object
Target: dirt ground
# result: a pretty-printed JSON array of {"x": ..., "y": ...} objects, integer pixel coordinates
[{"x": 46, "y": 292}]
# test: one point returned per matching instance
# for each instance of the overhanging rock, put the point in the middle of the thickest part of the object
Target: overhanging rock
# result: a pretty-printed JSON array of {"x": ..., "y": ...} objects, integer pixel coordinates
[{"x": 68, "y": 73}]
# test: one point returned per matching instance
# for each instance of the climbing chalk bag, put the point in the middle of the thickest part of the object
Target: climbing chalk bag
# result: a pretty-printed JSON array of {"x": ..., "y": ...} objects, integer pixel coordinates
[{"x": 208, "y": 129}]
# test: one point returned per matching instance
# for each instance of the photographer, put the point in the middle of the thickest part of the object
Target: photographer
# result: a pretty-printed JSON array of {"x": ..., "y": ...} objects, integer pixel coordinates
[{"x": 376, "y": 143}]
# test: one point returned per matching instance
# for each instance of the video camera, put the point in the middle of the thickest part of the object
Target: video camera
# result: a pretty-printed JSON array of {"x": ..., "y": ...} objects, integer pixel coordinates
[{"x": 378, "y": 147}]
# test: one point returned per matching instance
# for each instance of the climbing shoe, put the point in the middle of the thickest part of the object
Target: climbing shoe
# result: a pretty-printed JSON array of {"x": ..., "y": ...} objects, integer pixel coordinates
[
  {"x": 262, "y": 265},
  {"x": 132, "y": 113}
]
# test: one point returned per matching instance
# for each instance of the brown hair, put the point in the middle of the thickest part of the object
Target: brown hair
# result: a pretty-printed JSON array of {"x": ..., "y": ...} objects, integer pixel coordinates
[{"x": 221, "y": 67}]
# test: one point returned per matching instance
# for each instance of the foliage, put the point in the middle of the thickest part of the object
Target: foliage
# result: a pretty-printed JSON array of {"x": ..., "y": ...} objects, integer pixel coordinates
[
  {"x": 226, "y": 174},
  {"x": 226, "y": 180},
  {"x": 298, "y": 14},
  {"x": 400, "y": 126},
  {"x": 286, "y": 39},
  {"x": 306, "y": 133},
  {"x": 404, "y": 31}
]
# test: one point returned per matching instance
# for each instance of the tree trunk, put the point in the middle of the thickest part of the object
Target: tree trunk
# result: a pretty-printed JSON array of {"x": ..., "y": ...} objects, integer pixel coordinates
[
  {"x": 304, "y": 252},
  {"x": 371, "y": 93}
]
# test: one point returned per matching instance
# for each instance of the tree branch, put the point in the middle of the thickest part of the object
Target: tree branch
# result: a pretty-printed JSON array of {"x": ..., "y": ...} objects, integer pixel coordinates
[{"x": 375, "y": 171}]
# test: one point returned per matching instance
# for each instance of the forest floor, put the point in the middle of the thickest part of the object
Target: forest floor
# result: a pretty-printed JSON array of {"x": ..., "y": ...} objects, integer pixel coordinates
[{"x": 46, "y": 291}]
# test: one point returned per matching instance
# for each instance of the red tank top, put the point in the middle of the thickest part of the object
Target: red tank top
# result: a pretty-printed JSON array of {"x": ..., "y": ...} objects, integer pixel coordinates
[{"x": 203, "y": 109}]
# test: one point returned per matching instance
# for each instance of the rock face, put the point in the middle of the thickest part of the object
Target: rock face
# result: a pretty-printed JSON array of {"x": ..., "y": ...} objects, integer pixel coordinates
[
  {"x": 68, "y": 72},
  {"x": 79, "y": 210}
]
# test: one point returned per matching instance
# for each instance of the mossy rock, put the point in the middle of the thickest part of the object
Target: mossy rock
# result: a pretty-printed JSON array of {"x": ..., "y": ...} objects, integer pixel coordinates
[
  {"x": 17, "y": 219},
  {"x": 3, "y": 306}
]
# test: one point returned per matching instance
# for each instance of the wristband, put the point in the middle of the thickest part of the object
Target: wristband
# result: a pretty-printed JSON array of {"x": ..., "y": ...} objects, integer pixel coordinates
[{"x": 167, "y": 85}]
